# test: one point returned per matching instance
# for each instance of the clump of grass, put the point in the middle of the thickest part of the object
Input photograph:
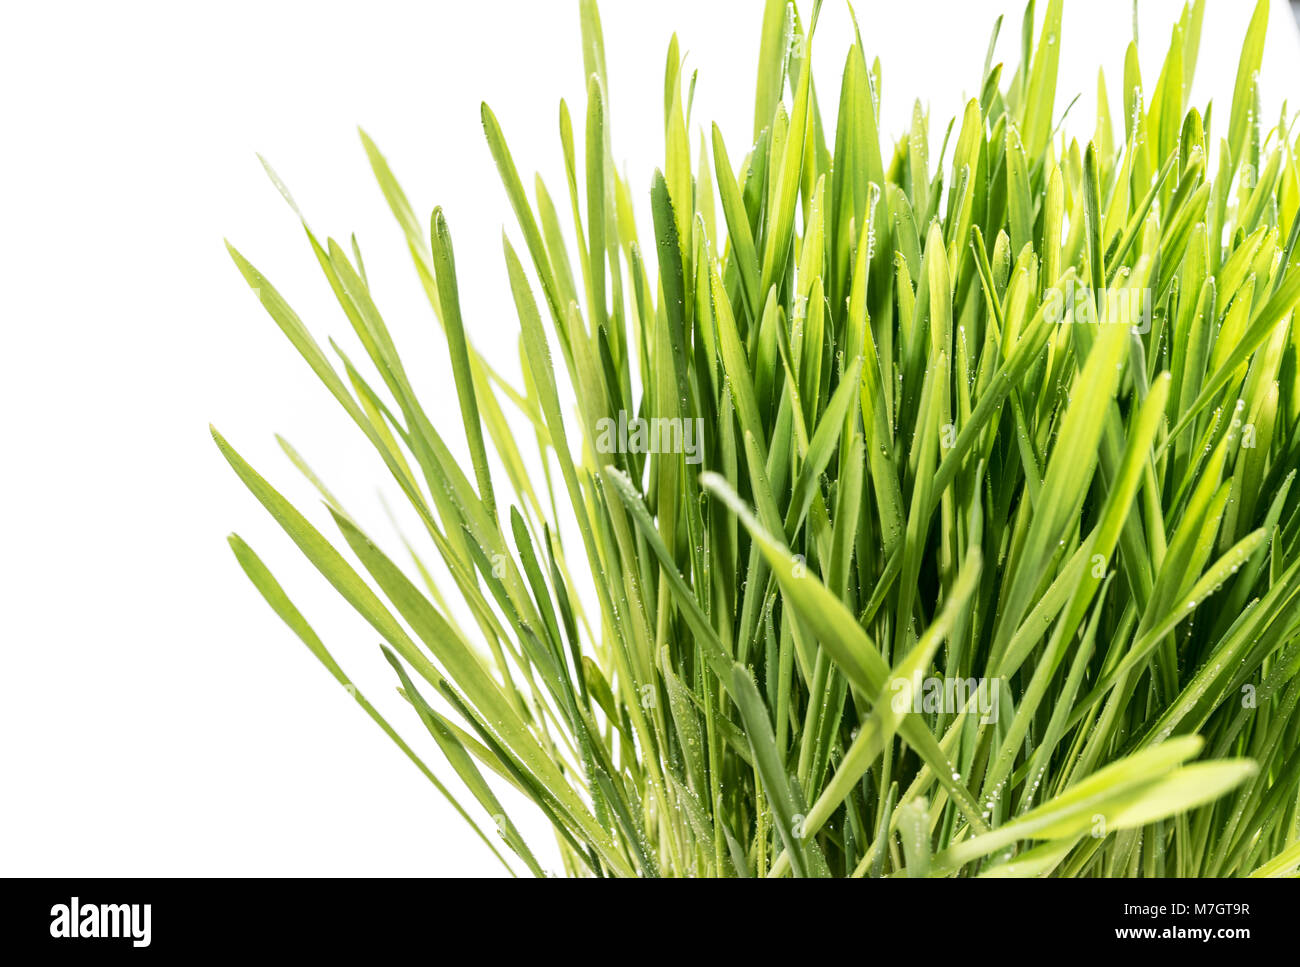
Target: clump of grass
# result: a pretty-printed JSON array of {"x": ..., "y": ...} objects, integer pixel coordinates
[{"x": 913, "y": 472}]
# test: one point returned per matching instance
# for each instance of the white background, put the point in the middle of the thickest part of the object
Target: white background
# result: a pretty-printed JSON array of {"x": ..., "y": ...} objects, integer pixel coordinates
[{"x": 155, "y": 717}]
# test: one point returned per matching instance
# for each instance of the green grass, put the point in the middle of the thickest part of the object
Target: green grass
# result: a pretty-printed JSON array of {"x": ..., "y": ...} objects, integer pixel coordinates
[{"x": 911, "y": 472}]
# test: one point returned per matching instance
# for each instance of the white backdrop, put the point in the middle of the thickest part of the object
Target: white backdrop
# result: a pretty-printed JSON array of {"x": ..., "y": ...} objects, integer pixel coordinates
[{"x": 155, "y": 717}]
